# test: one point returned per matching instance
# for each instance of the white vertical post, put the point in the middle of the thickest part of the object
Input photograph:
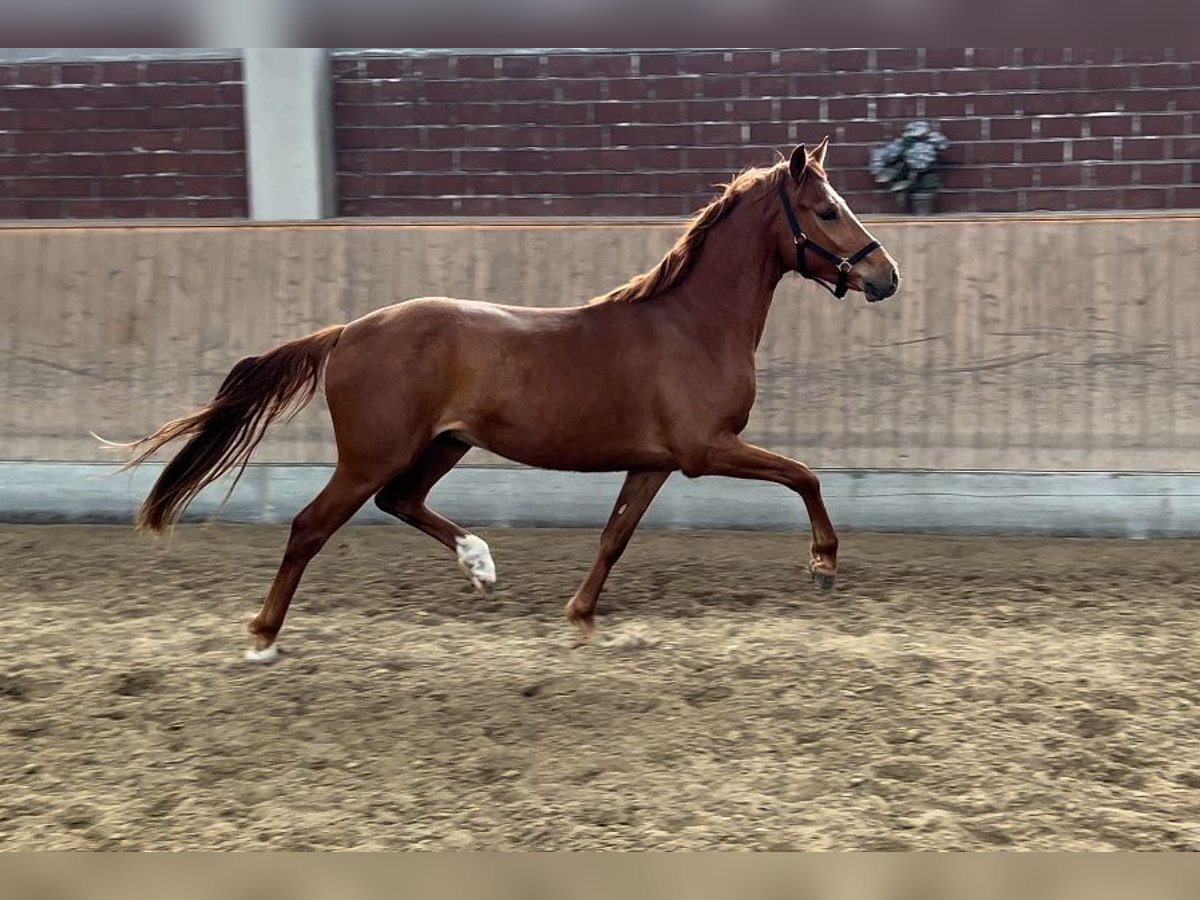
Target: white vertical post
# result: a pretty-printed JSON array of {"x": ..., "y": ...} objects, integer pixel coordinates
[{"x": 289, "y": 132}]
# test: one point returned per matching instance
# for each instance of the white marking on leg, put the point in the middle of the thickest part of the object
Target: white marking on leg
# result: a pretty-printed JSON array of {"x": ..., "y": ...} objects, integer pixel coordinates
[
  {"x": 476, "y": 560},
  {"x": 263, "y": 656},
  {"x": 621, "y": 509}
]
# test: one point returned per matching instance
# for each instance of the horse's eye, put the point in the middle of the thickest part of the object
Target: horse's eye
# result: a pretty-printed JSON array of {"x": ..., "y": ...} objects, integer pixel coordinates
[{"x": 828, "y": 214}]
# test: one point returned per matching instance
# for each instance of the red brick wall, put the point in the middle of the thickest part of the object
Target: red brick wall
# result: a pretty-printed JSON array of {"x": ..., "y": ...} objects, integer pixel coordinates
[
  {"x": 122, "y": 139},
  {"x": 623, "y": 133},
  {"x": 648, "y": 132}
]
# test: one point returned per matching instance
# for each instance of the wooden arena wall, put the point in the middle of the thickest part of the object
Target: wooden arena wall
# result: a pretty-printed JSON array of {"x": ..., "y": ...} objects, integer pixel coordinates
[{"x": 1024, "y": 343}]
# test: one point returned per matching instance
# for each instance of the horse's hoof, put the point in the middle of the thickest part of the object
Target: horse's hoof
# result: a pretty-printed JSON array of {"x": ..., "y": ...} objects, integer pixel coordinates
[
  {"x": 265, "y": 656},
  {"x": 585, "y": 626},
  {"x": 583, "y": 636},
  {"x": 476, "y": 560},
  {"x": 823, "y": 580}
]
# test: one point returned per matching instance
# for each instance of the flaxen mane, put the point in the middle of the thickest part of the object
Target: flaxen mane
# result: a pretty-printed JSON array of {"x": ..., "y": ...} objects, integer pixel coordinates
[{"x": 679, "y": 259}]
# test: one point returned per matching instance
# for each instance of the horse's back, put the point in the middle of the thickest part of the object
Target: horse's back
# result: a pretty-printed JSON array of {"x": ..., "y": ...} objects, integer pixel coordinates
[{"x": 570, "y": 386}]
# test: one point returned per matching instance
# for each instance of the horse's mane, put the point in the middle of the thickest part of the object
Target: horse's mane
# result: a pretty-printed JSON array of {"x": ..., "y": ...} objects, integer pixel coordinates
[{"x": 680, "y": 258}]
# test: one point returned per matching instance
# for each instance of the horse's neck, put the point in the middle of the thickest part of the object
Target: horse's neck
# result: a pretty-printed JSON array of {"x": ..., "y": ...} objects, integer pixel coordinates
[{"x": 729, "y": 289}]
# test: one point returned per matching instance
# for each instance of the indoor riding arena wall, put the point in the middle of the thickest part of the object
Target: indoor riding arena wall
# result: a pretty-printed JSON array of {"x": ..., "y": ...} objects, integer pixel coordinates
[
  {"x": 1034, "y": 374},
  {"x": 128, "y": 133}
]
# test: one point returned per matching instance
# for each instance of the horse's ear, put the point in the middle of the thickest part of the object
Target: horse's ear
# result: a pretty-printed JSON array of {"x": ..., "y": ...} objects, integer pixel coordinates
[
  {"x": 799, "y": 161},
  {"x": 819, "y": 153}
]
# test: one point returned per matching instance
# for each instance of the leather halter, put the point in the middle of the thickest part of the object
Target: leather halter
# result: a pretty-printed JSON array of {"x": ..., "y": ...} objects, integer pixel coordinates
[{"x": 804, "y": 242}]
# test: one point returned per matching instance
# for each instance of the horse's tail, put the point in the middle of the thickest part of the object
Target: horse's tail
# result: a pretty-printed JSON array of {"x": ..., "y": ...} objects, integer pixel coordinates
[{"x": 223, "y": 434}]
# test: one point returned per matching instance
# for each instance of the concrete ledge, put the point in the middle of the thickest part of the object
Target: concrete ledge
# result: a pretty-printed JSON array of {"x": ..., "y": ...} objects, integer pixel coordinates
[{"x": 1137, "y": 505}]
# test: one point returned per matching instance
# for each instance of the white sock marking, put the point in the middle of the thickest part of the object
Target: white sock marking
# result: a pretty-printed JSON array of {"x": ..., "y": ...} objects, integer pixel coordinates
[
  {"x": 264, "y": 656},
  {"x": 476, "y": 560}
]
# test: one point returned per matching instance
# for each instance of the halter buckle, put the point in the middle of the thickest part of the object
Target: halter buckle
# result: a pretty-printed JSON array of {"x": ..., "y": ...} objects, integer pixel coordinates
[{"x": 844, "y": 266}]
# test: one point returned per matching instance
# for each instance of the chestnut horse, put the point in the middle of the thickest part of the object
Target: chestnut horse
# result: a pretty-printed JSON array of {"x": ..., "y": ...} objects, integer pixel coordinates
[{"x": 655, "y": 377}]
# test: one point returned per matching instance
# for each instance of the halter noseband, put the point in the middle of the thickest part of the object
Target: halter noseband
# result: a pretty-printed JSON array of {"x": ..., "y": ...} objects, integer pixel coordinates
[{"x": 803, "y": 242}]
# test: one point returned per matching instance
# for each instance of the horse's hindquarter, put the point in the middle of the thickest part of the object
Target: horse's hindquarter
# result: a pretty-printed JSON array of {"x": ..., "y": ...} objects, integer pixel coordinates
[{"x": 554, "y": 388}]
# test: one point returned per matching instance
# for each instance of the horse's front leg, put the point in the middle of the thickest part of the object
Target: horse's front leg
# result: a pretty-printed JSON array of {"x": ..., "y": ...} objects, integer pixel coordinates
[
  {"x": 734, "y": 458},
  {"x": 636, "y": 493}
]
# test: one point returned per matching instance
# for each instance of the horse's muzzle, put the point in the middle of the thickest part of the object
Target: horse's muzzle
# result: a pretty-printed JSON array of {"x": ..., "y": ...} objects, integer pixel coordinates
[{"x": 880, "y": 289}]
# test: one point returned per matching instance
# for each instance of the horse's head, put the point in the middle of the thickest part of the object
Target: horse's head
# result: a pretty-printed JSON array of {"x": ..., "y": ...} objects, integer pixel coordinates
[{"x": 822, "y": 239}]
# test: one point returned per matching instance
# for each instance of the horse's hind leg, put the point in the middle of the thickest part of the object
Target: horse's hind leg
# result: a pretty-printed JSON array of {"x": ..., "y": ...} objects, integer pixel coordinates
[
  {"x": 346, "y": 491},
  {"x": 404, "y": 497},
  {"x": 636, "y": 494}
]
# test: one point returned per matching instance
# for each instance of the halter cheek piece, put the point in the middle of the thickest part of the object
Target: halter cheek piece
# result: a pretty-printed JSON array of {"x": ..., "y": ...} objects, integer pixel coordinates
[{"x": 804, "y": 242}]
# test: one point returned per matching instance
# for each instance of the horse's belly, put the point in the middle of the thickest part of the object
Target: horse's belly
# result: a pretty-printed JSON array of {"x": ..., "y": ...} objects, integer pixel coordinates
[{"x": 568, "y": 440}]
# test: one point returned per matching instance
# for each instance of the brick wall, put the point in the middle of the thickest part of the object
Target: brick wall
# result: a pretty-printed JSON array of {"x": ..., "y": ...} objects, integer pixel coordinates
[
  {"x": 648, "y": 132},
  {"x": 122, "y": 139},
  {"x": 612, "y": 132}
]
